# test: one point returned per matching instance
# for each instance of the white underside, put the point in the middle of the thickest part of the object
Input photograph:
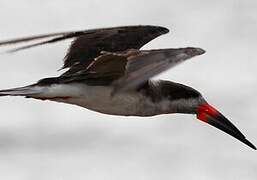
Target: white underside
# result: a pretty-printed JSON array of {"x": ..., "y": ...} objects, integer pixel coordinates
[{"x": 98, "y": 98}]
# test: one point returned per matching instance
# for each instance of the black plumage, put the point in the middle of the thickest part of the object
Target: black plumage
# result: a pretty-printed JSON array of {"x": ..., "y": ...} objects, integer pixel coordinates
[{"x": 167, "y": 90}]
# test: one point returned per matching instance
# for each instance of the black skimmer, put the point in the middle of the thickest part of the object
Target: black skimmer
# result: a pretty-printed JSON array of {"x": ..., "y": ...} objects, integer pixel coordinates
[{"x": 108, "y": 73}]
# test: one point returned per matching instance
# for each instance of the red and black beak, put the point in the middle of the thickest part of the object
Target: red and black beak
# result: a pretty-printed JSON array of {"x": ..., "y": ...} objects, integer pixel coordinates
[{"x": 210, "y": 115}]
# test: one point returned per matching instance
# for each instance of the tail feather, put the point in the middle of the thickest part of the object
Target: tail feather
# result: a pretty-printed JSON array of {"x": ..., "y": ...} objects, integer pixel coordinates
[{"x": 22, "y": 91}]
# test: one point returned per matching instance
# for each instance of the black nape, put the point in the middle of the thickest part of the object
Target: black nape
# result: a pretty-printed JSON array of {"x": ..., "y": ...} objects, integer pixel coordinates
[{"x": 159, "y": 90}]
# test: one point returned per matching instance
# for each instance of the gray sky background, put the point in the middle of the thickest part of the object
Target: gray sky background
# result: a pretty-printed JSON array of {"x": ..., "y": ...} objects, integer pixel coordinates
[{"x": 47, "y": 140}]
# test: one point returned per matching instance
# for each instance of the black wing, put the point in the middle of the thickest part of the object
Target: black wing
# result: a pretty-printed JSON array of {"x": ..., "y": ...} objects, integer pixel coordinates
[
  {"x": 89, "y": 44},
  {"x": 149, "y": 63},
  {"x": 128, "y": 69}
]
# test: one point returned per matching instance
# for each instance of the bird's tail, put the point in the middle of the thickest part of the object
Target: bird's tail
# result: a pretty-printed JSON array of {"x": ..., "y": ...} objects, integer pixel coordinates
[{"x": 22, "y": 91}]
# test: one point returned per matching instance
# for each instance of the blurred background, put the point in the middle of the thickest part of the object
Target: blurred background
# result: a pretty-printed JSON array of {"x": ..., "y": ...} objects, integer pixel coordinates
[{"x": 47, "y": 140}]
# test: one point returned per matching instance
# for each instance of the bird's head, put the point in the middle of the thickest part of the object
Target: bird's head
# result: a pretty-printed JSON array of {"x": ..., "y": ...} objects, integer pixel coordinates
[{"x": 184, "y": 99}]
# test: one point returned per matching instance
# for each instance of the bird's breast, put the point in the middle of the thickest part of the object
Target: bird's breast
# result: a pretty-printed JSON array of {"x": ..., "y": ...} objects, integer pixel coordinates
[{"x": 99, "y": 98}]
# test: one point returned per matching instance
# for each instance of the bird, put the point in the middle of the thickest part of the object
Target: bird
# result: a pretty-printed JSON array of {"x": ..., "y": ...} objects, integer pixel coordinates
[{"x": 108, "y": 72}]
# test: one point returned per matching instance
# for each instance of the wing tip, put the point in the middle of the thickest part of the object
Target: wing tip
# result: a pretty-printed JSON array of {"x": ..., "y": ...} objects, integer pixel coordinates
[
  {"x": 163, "y": 30},
  {"x": 153, "y": 29},
  {"x": 160, "y": 29}
]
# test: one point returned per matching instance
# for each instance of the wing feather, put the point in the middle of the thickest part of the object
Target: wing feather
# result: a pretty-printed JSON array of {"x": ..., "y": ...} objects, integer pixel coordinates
[
  {"x": 88, "y": 44},
  {"x": 129, "y": 69},
  {"x": 149, "y": 63}
]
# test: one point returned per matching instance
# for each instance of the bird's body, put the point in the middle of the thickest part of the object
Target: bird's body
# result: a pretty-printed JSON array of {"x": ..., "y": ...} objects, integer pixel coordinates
[
  {"x": 108, "y": 73},
  {"x": 98, "y": 98},
  {"x": 144, "y": 101}
]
